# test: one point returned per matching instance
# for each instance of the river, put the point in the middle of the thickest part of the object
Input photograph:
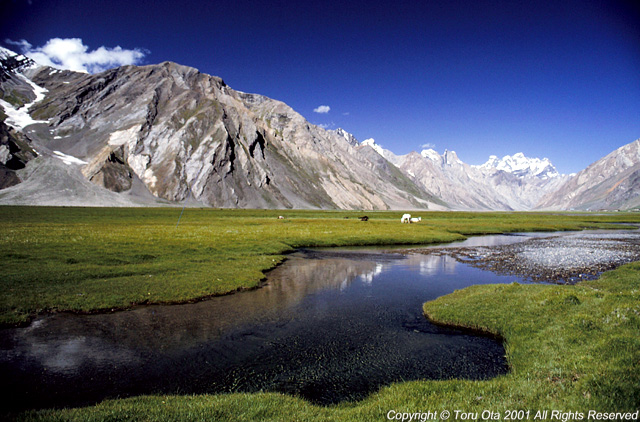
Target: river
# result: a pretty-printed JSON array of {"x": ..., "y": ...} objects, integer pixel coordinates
[{"x": 327, "y": 325}]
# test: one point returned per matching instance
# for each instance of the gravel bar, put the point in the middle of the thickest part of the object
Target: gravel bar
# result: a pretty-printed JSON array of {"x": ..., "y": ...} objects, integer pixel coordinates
[{"x": 562, "y": 259}]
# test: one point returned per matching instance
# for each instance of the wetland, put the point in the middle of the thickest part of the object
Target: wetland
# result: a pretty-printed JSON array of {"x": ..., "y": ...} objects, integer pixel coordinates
[
  {"x": 66, "y": 271},
  {"x": 328, "y": 325}
]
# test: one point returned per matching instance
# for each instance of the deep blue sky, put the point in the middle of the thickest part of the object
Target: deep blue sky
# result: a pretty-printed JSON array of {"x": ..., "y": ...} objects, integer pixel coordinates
[{"x": 557, "y": 79}]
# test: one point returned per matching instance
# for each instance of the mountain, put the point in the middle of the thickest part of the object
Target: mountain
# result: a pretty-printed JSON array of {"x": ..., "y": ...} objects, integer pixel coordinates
[
  {"x": 388, "y": 155},
  {"x": 521, "y": 180},
  {"x": 613, "y": 182},
  {"x": 522, "y": 166},
  {"x": 167, "y": 133},
  {"x": 511, "y": 183}
]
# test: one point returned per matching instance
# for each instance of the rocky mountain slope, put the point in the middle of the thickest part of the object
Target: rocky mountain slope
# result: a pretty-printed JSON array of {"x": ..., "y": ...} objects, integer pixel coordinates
[
  {"x": 511, "y": 183},
  {"x": 183, "y": 135},
  {"x": 612, "y": 182},
  {"x": 168, "y": 134}
]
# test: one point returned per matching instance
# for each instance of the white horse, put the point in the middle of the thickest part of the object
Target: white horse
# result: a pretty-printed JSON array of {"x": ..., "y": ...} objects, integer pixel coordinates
[
  {"x": 406, "y": 218},
  {"x": 415, "y": 220}
]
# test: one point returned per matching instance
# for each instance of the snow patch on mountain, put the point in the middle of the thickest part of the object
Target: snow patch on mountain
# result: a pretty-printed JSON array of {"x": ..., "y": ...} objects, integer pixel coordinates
[
  {"x": 6, "y": 53},
  {"x": 372, "y": 143},
  {"x": 448, "y": 158},
  {"x": 431, "y": 155},
  {"x": 385, "y": 153},
  {"x": 19, "y": 118},
  {"x": 520, "y": 165},
  {"x": 347, "y": 136},
  {"x": 68, "y": 159}
]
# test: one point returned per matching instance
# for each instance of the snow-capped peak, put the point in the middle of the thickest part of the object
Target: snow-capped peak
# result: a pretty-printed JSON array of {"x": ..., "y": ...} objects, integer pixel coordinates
[
  {"x": 372, "y": 143},
  {"x": 347, "y": 136},
  {"x": 521, "y": 165},
  {"x": 388, "y": 155},
  {"x": 448, "y": 158},
  {"x": 431, "y": 154},
  {"x": 10, "y": 60},
  {"x": 5, "y": 52},
  {"x": 492, "y": 162}
]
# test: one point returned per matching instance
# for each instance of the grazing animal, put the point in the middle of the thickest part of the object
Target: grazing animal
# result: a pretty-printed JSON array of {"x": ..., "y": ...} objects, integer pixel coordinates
[
  {"x": 365, "y": 218},
  {"x": 406, "y": 218},
  {"x": 280, "y": 217},
  {"x": 415, "y": 220}
]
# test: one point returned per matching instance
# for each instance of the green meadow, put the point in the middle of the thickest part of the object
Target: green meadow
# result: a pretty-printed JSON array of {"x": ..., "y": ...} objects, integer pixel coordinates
[{"x": 570, "y": 348}]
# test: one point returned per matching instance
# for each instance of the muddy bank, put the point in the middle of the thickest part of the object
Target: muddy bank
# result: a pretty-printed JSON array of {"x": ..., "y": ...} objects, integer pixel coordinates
[{"x": 562, "y": 258}]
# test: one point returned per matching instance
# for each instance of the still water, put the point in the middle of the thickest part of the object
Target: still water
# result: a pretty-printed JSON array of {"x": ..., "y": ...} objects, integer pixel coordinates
[{"x": 328, "y": 326}]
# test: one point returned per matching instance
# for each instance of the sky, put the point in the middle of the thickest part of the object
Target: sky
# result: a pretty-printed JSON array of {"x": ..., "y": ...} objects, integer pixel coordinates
[{"x": 550, "y": 78}]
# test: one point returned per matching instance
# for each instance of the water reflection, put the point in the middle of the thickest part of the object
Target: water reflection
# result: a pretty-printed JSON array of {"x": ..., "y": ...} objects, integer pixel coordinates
[
  {"x": 438, "y": 265},
  {"x": 65, "y": 342},
  {"x": 328, "y": 326}
]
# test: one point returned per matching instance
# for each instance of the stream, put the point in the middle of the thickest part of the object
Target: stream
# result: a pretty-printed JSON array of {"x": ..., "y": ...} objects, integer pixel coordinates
[{"x": 327, "y": 325}]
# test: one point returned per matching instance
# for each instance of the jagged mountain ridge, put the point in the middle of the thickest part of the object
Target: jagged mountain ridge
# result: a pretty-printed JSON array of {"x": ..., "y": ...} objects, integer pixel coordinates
[
  {"x": 186, "y": 135},
  {"x": 511, "y": 183},
  {"x": 613, "y": 182},
  {"x": 521, "y": 165},
  {"x": 166, "y": 133}
]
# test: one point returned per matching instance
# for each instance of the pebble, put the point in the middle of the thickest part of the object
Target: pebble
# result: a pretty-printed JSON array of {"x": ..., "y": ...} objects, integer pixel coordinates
[{"x": 566, "y": 258}]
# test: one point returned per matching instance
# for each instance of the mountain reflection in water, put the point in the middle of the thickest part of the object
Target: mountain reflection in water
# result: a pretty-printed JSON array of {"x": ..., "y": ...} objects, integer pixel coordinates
[{"x": 328, "y": 326}]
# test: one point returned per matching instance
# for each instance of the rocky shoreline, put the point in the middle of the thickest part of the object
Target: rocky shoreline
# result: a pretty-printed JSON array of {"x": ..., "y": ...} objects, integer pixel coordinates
[{"x": 562, "y": 258}]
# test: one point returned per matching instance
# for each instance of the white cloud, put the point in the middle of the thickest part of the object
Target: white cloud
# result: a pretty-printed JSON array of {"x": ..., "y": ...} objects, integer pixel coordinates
[
  {"x": 323, "y": 109},
  {"x": 72, "y": 54},
  {"x": 428, "y": 146},
  {"x": 23, "y": 44}
]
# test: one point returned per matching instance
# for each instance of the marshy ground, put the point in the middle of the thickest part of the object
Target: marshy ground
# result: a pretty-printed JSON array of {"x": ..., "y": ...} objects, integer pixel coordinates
[{"x": 570, "y": 347}]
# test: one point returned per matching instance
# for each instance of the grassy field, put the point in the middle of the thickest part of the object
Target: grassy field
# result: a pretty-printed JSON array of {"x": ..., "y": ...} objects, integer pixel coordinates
[
  {"x": 96, "y": 259},
  {"x": 571, "y": 348}
]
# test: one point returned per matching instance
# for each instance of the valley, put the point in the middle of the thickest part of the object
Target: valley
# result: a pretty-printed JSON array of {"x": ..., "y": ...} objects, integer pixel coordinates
[{"x": 159, "y": 186}]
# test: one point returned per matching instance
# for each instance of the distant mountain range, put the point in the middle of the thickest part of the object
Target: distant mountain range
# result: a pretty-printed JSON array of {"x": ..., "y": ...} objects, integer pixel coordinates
[
  {"x": 613, "y": 182},
  {"x": 168, "y": 134}
]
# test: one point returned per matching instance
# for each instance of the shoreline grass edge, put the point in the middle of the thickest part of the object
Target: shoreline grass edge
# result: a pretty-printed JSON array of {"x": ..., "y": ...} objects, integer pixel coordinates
[{"x": 88, "y": 260}]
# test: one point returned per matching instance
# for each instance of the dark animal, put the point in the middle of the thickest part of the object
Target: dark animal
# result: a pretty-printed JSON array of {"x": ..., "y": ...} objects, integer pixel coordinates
[{"x": 365, "y": 218}]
